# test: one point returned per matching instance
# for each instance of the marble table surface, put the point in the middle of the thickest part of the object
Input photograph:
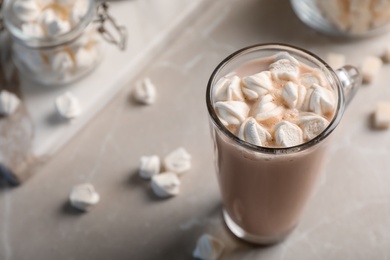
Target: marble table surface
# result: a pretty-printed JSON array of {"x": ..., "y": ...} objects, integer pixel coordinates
[{"x": 347, "y": 218}]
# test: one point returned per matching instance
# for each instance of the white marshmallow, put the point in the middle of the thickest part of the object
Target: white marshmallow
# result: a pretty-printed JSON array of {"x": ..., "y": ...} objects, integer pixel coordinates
[
  {"x": 382, "y": 115},
  {"x": 208, "y": 248},
  {"x": 165, "y": 185},
  {"x": 312, "y": 125},
  {"x": 293, "y": 94},
  {"x": 267, "y": 108},
  {"x": 83, "y": 196},
  {"x": 85, "y": 58},
  {"x": 319, "y": 100},
  {"x": 145, "y": 92},
  {"x": 26, "y": 10},
  {"x": 228, "y": 90},
  {"x": 68, "y": 106},
  {"x": 231, "y": 112},
  {"x": 257, "y": 85},
  {"x": 78, "y": 11},
  {"x": 53, "y": 24},
  {"x": 62, "y": 64},
  {"x": 335, "y": 60},
  {"x": 32, "y": 30},
  {"x": 9, "y": 103},
  {"x": 150, "y": 166},
  {"x": 178, "y": 161},
  {"x": 251, "y": 132},
  {"x": 287, "y": 134},
  {"x": 310, "y": 78},
  {"x": 286, "y": 56},
  {"x": 370, "y": 68},
  {"x": 285, "y": 70}
]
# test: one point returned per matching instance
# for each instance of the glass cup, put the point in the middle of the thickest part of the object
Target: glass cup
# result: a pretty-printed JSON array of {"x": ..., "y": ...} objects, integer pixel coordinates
[{"x": 264, "y": 190}]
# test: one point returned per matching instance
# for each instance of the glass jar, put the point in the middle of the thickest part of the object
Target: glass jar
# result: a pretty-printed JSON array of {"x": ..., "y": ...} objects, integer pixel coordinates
[
  {"x": 345, "y": 17},
  {"x": 61, "y": 58}
]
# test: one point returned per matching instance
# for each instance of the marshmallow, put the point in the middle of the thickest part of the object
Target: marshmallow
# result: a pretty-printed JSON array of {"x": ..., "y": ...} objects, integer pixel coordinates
[
  {"x": 53, "y": 24},
  {"x": 62, "y": 64},
  {"x": 267, "y": 108},
  {"x": 165, "y": 185},
  {"x": 251, "y": 132},
  {"x": 310, "y": 78},
  {"x": 287, "y": 134},
  {"x": 84, "y": 58},
  {"x": 312, "y": 125},
  {"x": 382, "y": 115},
  {"x": 228, "y": 90},
  {"x": 32, "y": 30},
  {"x": 208, "y": 248},
  {"x": 337, "y": 12},
  {"x": 145, "y": 92},
  {"x": 68, "y": 106},
  {"x": 370, "y": 68},
  {"x": 9, "y": 103},
  {"x": 257, "y": 85},
  {"x": 286, "y": 56},
  {"x": 319, "y": 100},
  {"x": 150, "y": 166},
  {"x": 293, "y": 94},
  {"x": 178, "y": 161},
  {"x": 26, "y": 10},
  {"x": 83, "y": 196},
  {"x": 231, "y": 112},
  {"x": 78, "y": 11},
  {"x": 284, "y": 70},
  {"x": 335, "y": 60}
]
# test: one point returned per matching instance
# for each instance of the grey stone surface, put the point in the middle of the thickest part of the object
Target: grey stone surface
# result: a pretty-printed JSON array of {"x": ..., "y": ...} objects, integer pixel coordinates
[{"x": 348, "y": 217}]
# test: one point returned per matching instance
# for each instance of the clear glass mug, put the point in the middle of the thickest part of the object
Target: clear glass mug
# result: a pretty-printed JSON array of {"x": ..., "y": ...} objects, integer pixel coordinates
[{"x": 264, "y": 190}]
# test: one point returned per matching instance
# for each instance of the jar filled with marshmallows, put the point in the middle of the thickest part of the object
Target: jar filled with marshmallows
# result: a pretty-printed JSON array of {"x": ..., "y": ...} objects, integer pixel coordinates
[
  {"x": 55, "y": 42},
  {"x": 345, "y": 17}
]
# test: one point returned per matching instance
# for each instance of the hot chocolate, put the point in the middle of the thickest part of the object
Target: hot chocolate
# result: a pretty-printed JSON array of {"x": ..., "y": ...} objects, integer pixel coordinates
[{"x": 274, "y": 114}]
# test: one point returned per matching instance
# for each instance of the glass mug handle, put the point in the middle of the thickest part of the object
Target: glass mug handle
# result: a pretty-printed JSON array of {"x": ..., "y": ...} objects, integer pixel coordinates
[{"x": 350, "y": 79}]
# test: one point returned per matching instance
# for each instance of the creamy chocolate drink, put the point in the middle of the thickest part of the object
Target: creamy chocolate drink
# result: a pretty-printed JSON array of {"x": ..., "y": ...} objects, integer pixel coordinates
[{"x": 271, "y": 112}]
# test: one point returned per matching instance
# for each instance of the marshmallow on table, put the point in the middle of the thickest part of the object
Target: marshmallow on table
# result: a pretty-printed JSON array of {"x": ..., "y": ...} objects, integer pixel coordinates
[
  {"x": 145, "y": 92},
  {"x": 231, "y": 112},
  {"x": 178, "y": 161},
  {"x": 83, "y": 196},
  {"x": 312, "y": 125},
  {"x": 26, "y": 10},
  {"x": 251, "y": 132},
  {"x": 228, "y": 90},
  {"x": 208, "y": 248},
  {"x": 68, "y": 106},
  {"x": 150, "y": 166},
  {"x": 287, "y": 134},
  {"x": 370, "y": 68},
  {"x": 165, "y": 185},
  {"x": 9, "y": 102},
  {"x": 335, "y": 60},
  {"x": 257, "y": 85},
  {"x": 382, "y": 115}
]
